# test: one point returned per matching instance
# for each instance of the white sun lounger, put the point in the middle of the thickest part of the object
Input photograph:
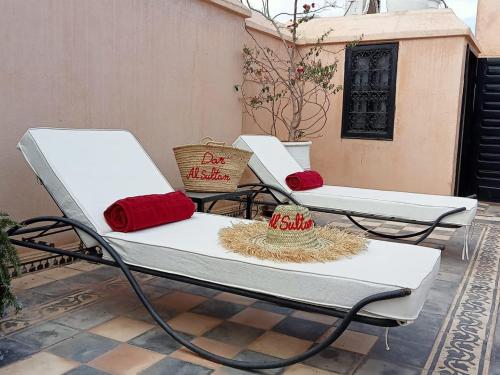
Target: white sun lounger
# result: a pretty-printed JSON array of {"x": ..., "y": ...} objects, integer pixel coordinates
[
  {"x": 86, "y": 170},
  {"x": 272, "y": 163}
]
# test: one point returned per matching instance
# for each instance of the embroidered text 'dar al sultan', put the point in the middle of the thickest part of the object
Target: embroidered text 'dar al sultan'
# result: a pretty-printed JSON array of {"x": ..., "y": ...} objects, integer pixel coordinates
[{"x": 212, "y": 171}]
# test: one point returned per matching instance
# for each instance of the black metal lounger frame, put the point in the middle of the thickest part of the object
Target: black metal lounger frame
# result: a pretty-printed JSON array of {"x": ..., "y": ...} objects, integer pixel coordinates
[
  {"x": 94, "y": 254},
  {"x": 422, "y": 234}
]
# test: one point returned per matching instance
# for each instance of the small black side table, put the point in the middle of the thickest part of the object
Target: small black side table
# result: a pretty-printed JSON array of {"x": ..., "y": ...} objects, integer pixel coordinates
[{"x": 243, "y": 194}]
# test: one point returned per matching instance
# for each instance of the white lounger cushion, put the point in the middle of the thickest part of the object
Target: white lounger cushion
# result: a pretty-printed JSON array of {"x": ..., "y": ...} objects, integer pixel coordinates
[
  {"x": 86, "y": 170},
  {"x": 191, "y": 248},
  {"x": 271, "y": 162},
  {"x": 422, "y": 207}
]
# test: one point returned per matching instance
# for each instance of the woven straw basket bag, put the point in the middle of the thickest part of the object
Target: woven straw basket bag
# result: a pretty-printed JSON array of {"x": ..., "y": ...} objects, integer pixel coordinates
[{"x": 211, "y": 166}]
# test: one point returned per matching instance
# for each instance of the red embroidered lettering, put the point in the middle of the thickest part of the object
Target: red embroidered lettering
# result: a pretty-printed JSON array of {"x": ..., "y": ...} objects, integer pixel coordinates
[
  {"x": 209, "y": 158},
  {"x": 193, "y": 173},
  {"x": 214, "y": 174},
  {"x": 273, "y": 223},
  {"x": 285, "y": 223}
]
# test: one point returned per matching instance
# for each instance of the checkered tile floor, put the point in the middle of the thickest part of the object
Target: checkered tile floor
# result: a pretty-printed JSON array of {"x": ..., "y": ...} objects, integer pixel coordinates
[
  {"x": 115, "y": 335},
  {"x": 84, "y": 319}
]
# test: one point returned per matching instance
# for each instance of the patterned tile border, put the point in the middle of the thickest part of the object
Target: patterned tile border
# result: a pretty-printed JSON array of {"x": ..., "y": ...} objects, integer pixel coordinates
[
  {"x": 77, "y": 299},
  {"x": 49, "y": 310},
  {"x": 463, "y": 346}
]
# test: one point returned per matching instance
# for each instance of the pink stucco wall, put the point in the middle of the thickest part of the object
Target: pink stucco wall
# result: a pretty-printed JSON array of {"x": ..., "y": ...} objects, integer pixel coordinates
[
  {"x": 166, "y": 70},
  {"x": 488, "y": 27},
  {"x": 163, "y": 69},
  {"x": 422, "y": 156}
]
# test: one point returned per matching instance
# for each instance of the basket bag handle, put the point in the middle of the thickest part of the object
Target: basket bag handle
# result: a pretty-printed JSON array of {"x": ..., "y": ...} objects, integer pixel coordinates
[{"x": 210, "y": 141}]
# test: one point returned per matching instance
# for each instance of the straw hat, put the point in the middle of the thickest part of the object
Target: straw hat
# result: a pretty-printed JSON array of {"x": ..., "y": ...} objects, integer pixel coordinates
[{"x": 291, "y": 236}]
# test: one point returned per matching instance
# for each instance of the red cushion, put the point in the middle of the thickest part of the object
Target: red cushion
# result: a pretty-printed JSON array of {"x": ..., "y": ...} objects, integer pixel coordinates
[
  {"x": 304, "y": 180},
  {"x": 146, "y": 211}
]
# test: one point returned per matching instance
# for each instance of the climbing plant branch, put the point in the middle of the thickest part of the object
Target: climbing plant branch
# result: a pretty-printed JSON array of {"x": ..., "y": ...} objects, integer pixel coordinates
[{"x": 287, "y": 91}]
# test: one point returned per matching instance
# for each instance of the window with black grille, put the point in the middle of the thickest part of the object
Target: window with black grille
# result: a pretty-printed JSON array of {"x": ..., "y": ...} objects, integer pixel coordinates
[{"x": 370, "y": 91}]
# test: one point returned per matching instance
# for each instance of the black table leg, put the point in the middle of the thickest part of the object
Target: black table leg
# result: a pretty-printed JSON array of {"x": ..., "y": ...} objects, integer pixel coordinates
[{"x": 248, "y": 208}]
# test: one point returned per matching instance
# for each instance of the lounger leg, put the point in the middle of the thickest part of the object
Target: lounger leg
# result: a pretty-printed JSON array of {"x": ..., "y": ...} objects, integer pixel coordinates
[
  {"x": 465, "y": 250},
  {"x": 387, "y": 347}
]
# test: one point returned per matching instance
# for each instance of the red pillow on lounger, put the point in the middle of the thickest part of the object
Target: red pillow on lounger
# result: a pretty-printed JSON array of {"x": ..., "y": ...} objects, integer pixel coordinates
[
  {"x": 304, "y": 180},
  {"x": 146, "y": 211}
]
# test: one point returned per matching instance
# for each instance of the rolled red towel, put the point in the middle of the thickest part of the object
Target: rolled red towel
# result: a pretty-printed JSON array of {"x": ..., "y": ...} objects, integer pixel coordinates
[
  {"x": 146, "y": 211},
  {"x": 304, "y": 180}
]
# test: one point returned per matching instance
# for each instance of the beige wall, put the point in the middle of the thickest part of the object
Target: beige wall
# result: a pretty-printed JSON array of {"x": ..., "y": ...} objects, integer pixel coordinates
[
  {"x": 163, "y": 69},
  {"x": 422, "y": 156},
  {"x": 488, "y": 27},
  {"x": 166, "y": 69}
]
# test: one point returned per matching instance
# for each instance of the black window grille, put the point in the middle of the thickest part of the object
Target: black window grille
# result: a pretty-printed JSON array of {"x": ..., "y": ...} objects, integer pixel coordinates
[{"x": 370, "y": 91}]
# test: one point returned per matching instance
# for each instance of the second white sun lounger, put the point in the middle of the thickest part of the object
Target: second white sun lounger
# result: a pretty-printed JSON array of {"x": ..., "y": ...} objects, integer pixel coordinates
[{"x": 272, "y": 163}]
